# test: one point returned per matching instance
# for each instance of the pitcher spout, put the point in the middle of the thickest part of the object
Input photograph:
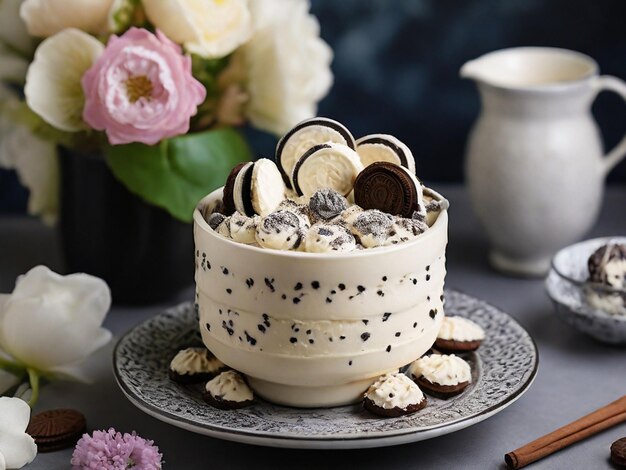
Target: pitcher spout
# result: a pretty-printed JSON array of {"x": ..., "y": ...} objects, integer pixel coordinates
[{"x": 470, "y": 69}]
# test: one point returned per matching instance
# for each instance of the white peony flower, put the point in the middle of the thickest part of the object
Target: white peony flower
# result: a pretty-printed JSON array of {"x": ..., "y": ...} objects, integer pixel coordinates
[
  {"x": 51, "y": 323},
  {"x": 16, "y": 447},
  {"x": 13, "y": 30},
  {"x": 288, "y": 65},
  {"x": 209, "y": 28},
  {"x": 44, "y": 18},
  {"x": 33, "y": 158},
  {"x": 53, "y": 89}
]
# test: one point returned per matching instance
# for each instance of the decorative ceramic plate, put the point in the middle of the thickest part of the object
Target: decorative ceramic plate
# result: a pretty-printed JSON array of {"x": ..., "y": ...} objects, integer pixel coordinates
[{"x": 503, "y": 369}]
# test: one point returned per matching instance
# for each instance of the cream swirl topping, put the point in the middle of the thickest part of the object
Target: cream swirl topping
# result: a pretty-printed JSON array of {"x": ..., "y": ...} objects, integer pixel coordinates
[
  {"x": 394, "y": 390},
  {"x": 442, "y": 369},
  {"x": 460, "y": 329},
  {"x": 242, "y": 229},
  {"x": 195, "y": 361},
  {"x": 229, "y": 386}
]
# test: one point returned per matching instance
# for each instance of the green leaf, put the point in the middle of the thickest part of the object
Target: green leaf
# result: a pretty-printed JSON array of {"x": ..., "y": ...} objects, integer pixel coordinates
[{"x": 180, "y": 171}]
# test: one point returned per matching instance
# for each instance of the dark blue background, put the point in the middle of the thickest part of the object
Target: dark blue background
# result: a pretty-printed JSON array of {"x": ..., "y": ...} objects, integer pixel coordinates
[{"x": 396, "y": 68}]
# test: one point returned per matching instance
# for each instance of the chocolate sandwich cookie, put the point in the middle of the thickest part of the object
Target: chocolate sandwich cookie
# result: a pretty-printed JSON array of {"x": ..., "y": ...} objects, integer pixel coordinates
[
  {"x": 228, "y": 197},
  {"x": 56, "y": 429},
  {"x": 327, "y": 165},
  {"x": 389, "y": 188},
  {"x": 459, "y": 335},
  {"x": 305, "y": 135},
  {"x": 618, "y": 452},
  {"x": 253, "y": 188},
  {"x": 440, "y": 375},
  {"x": 194, "y": 365},
  {"x": 384, "y": 148},
  {"x": 228, "y": 391},
  {"x": 393, "y": 395}
]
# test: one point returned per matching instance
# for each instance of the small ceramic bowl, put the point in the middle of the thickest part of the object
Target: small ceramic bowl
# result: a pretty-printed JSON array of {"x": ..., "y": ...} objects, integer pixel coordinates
[{"x": 568, "y": 288}]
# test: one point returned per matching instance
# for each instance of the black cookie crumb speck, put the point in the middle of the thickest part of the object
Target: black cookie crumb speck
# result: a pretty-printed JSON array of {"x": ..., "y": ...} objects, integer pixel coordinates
[
  {"x": 398, "y": 333},
  {"x": 224, "y": 271},
  {"x": 270, "y": 283},
  {"x": 293, "y": 340},
  {"x": 296, "y": 300},
  {"x": 250, "y": 339},
  {"x": 386, "y": 316},
  {"x": 229, "y": 290},
  {"x": 249, "y": 282},
  {"x": 315, "y": 285},
  {"x": 433, "y": 313},
  {"x": 342, "y": 286},
  {"x": 380, "y": 292},
  {"x": 365, "y": 336},
  {"x": 388, "y": 348},
  {"x": 360, "y": 289},
  {"x": 298, "y": 286}
]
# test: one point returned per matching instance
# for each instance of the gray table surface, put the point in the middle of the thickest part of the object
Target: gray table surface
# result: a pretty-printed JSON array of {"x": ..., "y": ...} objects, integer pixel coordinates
[{"x": 576, "y": 375}]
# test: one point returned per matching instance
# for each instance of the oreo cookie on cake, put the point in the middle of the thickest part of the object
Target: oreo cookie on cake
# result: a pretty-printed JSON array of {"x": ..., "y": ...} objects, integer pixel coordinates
[
  {"x": 389, "y": 188},
  {"x": 253, "y": 188},
  {"x": 305, "y": 135},
  {"x": 228, "y": 391},
  {"x": 441, "y": 375},
  {"x": 459, "y": 335},
  {"x": 384, "y": 148},
  {"x": 327, "y": 165},
  {"x": 194, "y": 365},
  {"x": 393, "y": 395}
]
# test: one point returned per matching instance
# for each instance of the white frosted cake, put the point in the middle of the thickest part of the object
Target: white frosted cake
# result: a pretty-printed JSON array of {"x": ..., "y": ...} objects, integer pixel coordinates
[{"x": 316, "y": 328}]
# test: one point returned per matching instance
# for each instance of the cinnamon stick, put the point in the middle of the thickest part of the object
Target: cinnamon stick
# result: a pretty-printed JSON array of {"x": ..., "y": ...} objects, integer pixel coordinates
[{"x": 601, "y": 419}]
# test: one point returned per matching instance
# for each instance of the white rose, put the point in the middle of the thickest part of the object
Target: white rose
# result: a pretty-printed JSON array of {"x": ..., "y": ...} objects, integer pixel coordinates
[
  {"x": 210, "y": 28},
  {"x": 288, "y": 65},
  {"x": 51, "y": 323},
  {"x": 44, "y": 18},
  {"x": 53, "y": 89},
  {"x": 16, "y": 447}
]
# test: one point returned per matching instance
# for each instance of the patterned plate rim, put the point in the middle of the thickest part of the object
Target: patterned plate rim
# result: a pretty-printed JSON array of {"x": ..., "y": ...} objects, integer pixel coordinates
[{"x": 377, "y": 439}]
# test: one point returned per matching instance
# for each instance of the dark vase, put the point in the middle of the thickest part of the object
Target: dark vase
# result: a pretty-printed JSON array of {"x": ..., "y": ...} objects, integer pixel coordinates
[{"x": 140, "y": 250}]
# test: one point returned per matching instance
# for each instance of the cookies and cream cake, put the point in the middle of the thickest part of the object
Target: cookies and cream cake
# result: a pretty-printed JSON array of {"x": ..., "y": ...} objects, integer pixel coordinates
[{"x": 331, "y": 294}]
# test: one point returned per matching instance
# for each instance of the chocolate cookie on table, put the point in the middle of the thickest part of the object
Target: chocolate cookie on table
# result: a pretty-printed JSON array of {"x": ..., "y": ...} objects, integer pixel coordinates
[
  {"x": 228, "y": 391},
  {"x": 459, "y": 335},
  {"x": 393, "y": 395},
  {"x": 56, "y": 429},
  {"x": 441, "y": 375},
  {"x": 618, "y": 452},
  {"x": 194, "y": 365}
]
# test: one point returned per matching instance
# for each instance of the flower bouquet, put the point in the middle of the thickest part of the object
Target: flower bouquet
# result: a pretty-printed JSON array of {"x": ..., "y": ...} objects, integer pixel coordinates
[{"x": 154, "y": 90}]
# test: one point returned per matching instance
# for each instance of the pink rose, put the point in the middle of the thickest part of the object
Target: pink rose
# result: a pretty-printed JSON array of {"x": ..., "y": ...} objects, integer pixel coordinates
[{"x": 141, "y": 89}]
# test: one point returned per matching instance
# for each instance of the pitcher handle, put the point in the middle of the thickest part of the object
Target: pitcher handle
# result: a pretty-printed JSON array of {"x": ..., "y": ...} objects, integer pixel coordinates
[{"x": 616, "y": 85}]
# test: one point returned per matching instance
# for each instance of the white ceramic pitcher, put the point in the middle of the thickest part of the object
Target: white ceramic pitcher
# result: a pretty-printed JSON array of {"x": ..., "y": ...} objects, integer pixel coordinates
[{"x": 535, "y": 163}]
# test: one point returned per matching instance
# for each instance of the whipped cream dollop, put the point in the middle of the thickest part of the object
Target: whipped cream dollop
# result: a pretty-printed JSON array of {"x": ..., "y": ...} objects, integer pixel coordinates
[
  {"x": 372, "y": 227},
  {"x": 281, "y": 230},
  {"x": 394, "y": 390},
  {"x": 243, "y": 228},
  {"x": 229, "y": 386},
  {"x": 460, "y": 329},
  {"x": 442, "y": 369},
  {"x": 322, "y": 238},
  {"x": 195, "y": 361},
  {"x": 404, "y": 230}
]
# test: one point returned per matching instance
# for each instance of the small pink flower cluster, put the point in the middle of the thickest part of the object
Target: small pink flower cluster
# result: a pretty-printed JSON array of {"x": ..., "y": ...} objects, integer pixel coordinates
[
  {"x": 141, "y": 89},
  {"x": 110, "y": 450}
]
